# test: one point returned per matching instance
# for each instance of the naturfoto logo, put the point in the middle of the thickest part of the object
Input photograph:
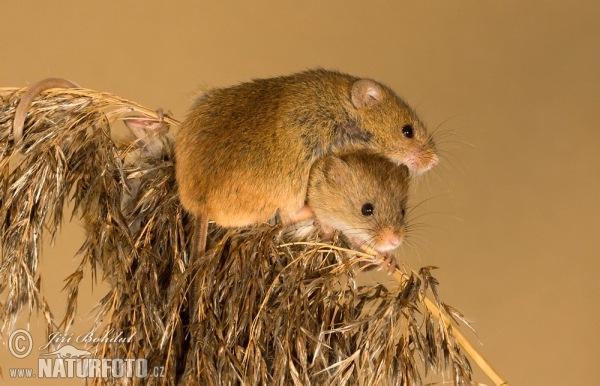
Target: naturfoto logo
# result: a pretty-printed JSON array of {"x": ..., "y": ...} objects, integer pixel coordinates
[{"x": 69, "y": 361}]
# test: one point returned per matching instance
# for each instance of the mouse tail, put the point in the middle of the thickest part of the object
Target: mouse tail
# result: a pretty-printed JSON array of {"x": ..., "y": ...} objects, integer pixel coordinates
[
  {"x": 27, "y": 100},
  {"x": 198, "y": 248}
]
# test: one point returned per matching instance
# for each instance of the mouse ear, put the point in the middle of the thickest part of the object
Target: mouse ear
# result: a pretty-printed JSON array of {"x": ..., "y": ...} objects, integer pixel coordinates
[
  {"x": 142, "y": 126},
  {"x": 335, "y": 168},
  {"x": 148, "y": 132},
  {"x": 366, "y": 92}
]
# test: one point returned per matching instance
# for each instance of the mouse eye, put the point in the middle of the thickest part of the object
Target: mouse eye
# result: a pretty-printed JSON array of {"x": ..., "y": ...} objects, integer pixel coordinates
[
  {"x": 403, "y": 212},
  {"x": 408, "y": 131},
  {"x": 368, "y": 209}
]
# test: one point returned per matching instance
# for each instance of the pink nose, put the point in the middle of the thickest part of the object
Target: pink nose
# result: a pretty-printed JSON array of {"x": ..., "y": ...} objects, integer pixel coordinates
[
  {"x": 388, "y": 240},
  {"x": 393, "y": 241},
  {"x": 420, "y": 162}
]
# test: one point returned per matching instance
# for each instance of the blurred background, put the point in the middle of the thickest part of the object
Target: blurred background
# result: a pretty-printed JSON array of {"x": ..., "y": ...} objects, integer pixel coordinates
[{"x": 510, "y": 216}]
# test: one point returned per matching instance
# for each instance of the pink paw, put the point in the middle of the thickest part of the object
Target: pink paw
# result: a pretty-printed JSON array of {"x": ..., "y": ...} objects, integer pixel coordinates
[
  {"x": 389, "y": 263},
  {"x": 385, "y": 261}
]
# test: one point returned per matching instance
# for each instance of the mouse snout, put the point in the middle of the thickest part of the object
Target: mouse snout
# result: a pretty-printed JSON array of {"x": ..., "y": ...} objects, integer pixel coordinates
[
  {"x": 393, "y": 241},
  {"x": 388, "y": 240},
  {"x": 422, "y": 159}
]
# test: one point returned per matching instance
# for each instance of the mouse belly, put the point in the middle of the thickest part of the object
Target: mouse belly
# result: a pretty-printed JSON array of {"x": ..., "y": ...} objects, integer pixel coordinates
[
  {"x": 235, "y": 193},
  {"x": 243, "y": 209},
  {"x": 231, "y": 215}
]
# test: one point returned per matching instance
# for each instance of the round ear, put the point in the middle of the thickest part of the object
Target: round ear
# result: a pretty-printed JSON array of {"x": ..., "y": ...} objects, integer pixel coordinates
[
  {"x": 366, "y": 92},
  {"x": 142, "y": 126},
  {"x": 335, "y": 168}
]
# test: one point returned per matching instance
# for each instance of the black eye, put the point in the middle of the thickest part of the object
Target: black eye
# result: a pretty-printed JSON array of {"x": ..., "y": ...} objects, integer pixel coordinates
[
  {"x": 407, "y": 131},
  {"x": 403, "y": 212},
  {"x": 368, "y": 209}
]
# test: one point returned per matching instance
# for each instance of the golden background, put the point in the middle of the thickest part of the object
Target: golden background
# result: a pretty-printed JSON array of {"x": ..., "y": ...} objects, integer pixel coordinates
[{"x": 511, "y": 215}]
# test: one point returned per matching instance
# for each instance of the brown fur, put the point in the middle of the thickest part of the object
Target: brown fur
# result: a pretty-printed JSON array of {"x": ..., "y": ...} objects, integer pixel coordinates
[
  {"x": 340, "y": 186},
  {"x": 244, "y": 153}
]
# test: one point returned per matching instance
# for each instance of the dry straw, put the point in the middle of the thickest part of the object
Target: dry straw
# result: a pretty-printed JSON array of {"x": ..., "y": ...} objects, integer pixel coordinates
[{"x": 273, "y": 310}]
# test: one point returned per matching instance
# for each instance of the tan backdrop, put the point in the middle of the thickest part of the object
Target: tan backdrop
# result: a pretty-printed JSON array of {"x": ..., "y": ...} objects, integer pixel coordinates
[{"x": 511, "y": 215}]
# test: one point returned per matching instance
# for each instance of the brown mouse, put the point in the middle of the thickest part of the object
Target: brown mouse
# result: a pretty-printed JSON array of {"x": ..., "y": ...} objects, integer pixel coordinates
[
  {"x": 148, "y": 131},
  {"x": 364, "y": 196},
  {"x": 148, "y": 142},
  {"x": 244, "y": 152},
  {"x": 139, "y": 152}
]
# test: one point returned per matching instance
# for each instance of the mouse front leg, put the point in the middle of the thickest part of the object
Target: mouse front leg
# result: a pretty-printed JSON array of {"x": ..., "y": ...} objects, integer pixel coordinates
[
  {"x": 383, "y": 261},
  {"x": 326, "y": 231},
  {"x": 388, "y": 263}
]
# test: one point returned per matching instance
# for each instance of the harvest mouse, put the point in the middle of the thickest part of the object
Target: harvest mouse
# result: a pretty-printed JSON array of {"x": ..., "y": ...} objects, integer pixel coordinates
[
  {"x": 244, "y": 153},
  {"x": 146, "y": 149},
  {"x": 364, "y": 196},
  {"x": 148, "y": 131},
  {"x": 149, "y": 140}
]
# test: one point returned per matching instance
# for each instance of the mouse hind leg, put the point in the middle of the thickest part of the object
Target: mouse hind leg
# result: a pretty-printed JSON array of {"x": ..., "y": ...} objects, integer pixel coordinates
[{"x": 292, "y": 217}]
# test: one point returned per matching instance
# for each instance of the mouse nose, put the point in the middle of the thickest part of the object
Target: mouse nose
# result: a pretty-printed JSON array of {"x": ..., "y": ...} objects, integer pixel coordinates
[
  {"x": 422, "y": 159},
  {"x": 393, "y": 241},
  {"x": 390, "y": 240}
]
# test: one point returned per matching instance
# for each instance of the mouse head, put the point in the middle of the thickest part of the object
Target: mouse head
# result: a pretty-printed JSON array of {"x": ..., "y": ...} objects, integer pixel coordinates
[
  {"x": 364, "y": 196},
  {"x": 148, "y": 132},
  {"x": 394, "y": 128}
]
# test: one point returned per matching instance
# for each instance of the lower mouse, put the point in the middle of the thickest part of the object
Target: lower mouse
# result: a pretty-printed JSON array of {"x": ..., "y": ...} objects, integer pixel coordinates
[{"x": 364, "y": 196}]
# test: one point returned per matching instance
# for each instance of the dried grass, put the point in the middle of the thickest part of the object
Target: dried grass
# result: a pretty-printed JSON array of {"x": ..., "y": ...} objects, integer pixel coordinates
[{"x": 272, "y": 310}]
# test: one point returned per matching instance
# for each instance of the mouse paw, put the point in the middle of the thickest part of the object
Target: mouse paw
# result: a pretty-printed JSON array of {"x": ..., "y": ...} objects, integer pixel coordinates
[
  {"x": 385, "y": 261},
  {"x": 389, "y": 263}
]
